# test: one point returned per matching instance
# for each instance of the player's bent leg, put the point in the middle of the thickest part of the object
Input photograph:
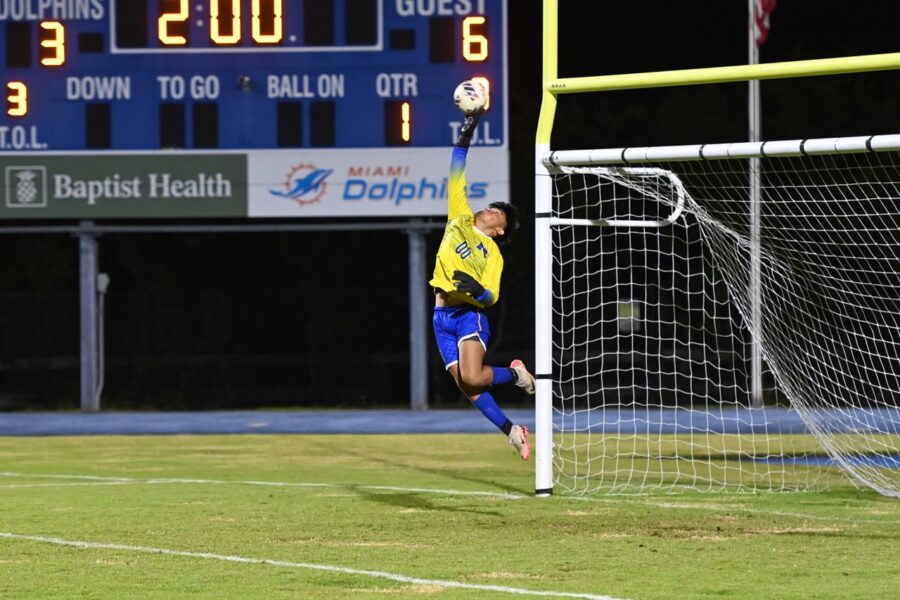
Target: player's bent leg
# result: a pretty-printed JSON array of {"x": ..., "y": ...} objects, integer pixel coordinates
[
  {"x": 473, "y": 378},
  {"x": 525, "y": 379},
  {"x": 470, "y": 392},
  {"x": 484, "y": 402},
  {"x": 472, "y": 372}
]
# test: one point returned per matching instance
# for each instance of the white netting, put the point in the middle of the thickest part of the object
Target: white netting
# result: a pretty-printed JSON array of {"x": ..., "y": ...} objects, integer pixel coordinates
[{"x": 652, "y": 325}]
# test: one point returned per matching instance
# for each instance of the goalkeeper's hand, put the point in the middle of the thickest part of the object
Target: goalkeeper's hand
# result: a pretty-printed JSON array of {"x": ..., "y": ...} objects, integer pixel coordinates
[
  {"x": 468, "y": 129},
  {"x": 467, "y": 284}
]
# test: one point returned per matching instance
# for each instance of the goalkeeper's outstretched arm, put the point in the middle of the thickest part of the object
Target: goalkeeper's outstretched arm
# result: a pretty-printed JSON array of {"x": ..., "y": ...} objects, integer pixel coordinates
[{"x": 457, "y": 202}]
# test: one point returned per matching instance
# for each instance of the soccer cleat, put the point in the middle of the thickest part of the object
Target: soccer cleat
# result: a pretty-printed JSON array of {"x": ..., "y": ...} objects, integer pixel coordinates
[
  {"x": 526, "y": 379},
  {"x": 518, "y": 439}
]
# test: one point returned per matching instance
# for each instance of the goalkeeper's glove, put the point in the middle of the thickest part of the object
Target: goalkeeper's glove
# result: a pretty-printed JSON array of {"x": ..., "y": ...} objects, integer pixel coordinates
[
  {"x": 468, "y": 128},
  {"x": 467, "y": 284}
]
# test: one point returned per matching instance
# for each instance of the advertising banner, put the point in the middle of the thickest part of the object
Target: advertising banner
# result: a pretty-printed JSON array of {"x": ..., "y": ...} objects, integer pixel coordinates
[
  {"x": 346, "y": 183},
  {"x": 41, "y": 186},
  {"x": 369, "y": 182}
]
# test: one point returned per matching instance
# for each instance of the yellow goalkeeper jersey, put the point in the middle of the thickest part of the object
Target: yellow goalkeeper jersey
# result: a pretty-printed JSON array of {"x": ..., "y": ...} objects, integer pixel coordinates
[{"x": 463, "y": 247}]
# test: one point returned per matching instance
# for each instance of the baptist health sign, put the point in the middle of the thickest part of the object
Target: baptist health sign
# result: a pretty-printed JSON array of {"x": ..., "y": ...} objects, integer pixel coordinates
[{"x": 267, "y": 184}]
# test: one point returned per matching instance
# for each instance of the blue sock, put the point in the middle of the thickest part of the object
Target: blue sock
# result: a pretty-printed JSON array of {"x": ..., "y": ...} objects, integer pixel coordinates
[
  {"x": 503, "y": 375},
  {"x": 488, "y": 407}
]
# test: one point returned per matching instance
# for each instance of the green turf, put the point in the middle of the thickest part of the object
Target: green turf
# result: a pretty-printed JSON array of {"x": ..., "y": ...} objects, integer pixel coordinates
[{"x": 378, "y": 508}]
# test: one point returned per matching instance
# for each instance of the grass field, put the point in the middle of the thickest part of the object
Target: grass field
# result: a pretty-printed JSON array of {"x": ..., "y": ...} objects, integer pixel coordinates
[{"x": 445, "y": 516}]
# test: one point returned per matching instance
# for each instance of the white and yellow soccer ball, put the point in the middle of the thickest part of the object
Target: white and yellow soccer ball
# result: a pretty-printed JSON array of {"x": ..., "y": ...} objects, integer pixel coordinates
[{"x": 470, "y": 96}]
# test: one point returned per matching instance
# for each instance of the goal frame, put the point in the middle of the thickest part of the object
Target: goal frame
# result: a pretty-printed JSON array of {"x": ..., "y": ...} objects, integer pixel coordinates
[{"x": 552, "y": 86}]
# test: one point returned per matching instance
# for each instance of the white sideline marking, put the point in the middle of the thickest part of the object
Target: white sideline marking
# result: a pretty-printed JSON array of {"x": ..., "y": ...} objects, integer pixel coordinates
[
  {"x": 101, "y": 480},
  {"x": 16, "y": 486},
  {"x": 287, "y": 484},
  {"x": 301, "y": 565}
]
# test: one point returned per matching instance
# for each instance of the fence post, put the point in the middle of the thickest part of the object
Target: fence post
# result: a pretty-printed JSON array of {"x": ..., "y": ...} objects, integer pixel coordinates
[{"x": 88, "y": 263}]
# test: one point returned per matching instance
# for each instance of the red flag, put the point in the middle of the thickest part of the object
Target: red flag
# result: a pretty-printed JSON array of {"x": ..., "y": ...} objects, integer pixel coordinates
[{"x": 762, "y": 9}]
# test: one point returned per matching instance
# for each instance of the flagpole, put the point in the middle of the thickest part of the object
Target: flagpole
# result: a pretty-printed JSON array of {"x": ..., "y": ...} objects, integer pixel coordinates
[{"x": 755, "y": 122}]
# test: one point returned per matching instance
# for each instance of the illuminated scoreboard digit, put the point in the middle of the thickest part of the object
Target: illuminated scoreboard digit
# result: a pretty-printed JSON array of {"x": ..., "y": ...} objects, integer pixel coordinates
[{"x": 246, "y": 74}]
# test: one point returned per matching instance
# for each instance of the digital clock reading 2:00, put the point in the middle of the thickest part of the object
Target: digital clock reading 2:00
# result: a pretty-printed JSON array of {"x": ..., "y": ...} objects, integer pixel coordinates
[{"x": 246, "y": 74}]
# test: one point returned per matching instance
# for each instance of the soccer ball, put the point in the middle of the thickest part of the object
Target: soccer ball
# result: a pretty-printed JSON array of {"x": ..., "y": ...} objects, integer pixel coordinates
[{"x": 470, "y": 96}]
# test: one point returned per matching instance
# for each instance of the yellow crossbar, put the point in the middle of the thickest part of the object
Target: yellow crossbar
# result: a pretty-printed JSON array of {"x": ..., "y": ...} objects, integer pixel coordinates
[{"x": 780, "y": 70}]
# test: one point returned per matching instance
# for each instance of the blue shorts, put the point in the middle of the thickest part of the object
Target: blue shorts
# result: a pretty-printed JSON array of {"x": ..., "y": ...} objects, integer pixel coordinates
[{"x": 453, "y": 324}]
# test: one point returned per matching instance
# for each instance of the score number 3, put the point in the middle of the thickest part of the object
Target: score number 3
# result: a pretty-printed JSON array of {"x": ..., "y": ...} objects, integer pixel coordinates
[
  {"x": 17, "y": 99},
  {"x": 53, "y": 43}
]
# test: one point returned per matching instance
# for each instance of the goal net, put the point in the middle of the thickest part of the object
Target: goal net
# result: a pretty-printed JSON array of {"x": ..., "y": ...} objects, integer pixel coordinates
[{"x": 663, "y": 282}]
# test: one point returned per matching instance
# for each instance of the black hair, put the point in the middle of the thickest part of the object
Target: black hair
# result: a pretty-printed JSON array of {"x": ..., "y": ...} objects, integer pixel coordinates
[{"x": 512, "y": 222}]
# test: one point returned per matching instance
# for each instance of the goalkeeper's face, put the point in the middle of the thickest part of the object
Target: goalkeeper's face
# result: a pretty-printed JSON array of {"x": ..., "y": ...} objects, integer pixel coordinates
[{"x": 491, "y": 222}]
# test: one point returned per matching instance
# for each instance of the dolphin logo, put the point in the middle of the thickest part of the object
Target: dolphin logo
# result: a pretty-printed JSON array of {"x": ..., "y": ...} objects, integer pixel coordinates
[{"x": 309, "y": 184}]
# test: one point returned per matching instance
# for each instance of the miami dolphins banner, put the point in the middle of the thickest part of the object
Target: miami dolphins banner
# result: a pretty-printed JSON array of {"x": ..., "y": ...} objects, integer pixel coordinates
[
  {"x": 370, "y": 183},
  {"x": 266, "y": 184}
]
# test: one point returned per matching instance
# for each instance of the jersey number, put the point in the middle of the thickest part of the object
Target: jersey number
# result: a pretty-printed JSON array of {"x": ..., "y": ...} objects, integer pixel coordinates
[{"x": 464, "y": 251}]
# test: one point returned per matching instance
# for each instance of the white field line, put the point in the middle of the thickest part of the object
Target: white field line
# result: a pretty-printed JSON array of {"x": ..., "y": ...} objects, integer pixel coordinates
[
  {"x": 17, "y": 486},
  {"x": 302, "y": 565},
  {"x": 665, "y": 504},
  {"x": 284, "y": 484}
]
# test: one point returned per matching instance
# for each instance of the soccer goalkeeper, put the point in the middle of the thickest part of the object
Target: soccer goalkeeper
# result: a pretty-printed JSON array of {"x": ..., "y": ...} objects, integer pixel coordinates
[{"x": 466, "y": 280}]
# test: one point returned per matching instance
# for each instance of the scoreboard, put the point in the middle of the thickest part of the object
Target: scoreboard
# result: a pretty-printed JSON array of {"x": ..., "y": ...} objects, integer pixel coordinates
[
  {"x": 155, "y": 108},
  {"x": 239, "y": 74}
]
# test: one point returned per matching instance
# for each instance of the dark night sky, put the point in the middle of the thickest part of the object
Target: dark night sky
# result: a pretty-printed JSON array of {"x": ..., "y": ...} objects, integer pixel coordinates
[{"x": 599, "y": 37}]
